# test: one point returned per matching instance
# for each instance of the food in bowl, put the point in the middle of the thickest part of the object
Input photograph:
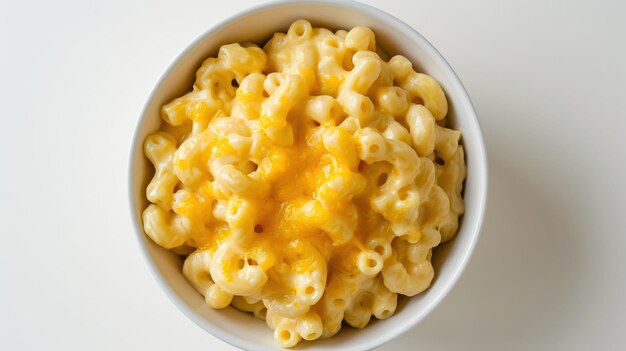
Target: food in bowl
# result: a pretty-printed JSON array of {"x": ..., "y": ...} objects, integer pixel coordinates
[{"x": 307, "y": 181}]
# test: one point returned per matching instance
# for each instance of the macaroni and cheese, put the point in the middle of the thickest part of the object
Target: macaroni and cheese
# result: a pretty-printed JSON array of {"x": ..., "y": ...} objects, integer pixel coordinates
[{"x": 307, "y": 181}]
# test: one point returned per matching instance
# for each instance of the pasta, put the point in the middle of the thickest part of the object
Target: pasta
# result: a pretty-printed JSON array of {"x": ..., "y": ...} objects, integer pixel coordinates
[{"x": 307, "y": 182}]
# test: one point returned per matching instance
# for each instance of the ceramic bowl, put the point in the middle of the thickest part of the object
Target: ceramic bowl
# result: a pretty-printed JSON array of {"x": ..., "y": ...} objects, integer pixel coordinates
[{"x": 394, "y": 37}]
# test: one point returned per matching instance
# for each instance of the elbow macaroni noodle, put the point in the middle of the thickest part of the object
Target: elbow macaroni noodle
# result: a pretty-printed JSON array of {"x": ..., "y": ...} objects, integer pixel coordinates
[{"x": 310, "y": 180}]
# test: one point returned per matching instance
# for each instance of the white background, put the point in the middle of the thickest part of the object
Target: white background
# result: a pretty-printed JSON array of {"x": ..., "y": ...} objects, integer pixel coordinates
[{"x": 547, "y": 80}]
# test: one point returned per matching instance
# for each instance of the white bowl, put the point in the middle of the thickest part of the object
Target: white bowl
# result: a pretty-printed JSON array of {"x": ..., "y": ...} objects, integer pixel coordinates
[{"x": 395, "y": 37}]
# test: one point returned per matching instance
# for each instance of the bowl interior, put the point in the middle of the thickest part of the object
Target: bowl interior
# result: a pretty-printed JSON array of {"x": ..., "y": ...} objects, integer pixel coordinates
[{"x": 257, "y": 25}]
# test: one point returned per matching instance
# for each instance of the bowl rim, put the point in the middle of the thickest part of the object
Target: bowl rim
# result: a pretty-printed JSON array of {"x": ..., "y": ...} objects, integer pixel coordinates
[{"x": 479, "y": 155}]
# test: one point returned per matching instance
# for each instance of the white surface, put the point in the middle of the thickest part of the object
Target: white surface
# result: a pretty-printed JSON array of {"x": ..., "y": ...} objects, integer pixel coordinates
[{"x": 546, "y": 79}]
